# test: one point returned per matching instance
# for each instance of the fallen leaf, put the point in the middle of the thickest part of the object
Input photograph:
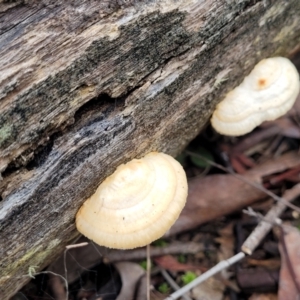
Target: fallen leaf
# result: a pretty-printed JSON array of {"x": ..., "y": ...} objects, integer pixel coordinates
[
  {"x": 212, "y": 197},
  {"x": 289, "y": 245},
  {"x": 217, "y": 195},
  {"x": 210, "y": 289},
  {"x": 257, "y": 279},
  {"x": 142, "y": 289},
  {"x": 227, "y": 242},
  {"x": 268, "y": 296},
  {"x": 270, "y": 264},
  {"x": 276, "y": 165},
  {"x": 131, "y": 274}
]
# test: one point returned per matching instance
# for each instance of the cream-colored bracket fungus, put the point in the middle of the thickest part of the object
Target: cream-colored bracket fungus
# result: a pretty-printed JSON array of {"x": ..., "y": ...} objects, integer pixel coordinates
[
  {"x": 267, "y": 93},
  {"x": 137, "y": 204}
]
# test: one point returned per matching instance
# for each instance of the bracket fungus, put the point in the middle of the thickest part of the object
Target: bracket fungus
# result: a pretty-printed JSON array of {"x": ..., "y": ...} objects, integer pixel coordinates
[
  {"x": 267, "y": 93},
  {"x": 137, "y": 204}
]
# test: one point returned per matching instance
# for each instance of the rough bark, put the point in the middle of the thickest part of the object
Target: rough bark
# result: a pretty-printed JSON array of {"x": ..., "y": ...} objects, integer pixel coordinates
[{"x": 88, "y": 85}]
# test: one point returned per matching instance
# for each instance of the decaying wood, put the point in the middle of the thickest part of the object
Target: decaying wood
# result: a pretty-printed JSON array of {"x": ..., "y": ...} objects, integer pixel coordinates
[{"x": 88, "y": 85}]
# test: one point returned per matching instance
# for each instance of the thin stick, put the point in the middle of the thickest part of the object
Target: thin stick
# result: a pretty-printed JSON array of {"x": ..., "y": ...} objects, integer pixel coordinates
[
  {"x": 65, "y": 264},
  {"x": 216, "y": 269},
  {"x": 140, "y": 253},
  {"x": 148, "y": 271},
  {"x": 172, "y": 283},
  {"x": 68, "y": 247},
  {"x": 62, "y": 277},
  {"x": 264, "y": 226},
  {"x": 242, "y": 178}
]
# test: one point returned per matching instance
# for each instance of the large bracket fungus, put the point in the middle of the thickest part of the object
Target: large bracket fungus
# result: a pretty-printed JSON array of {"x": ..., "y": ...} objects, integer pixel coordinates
[{"x": 137, "y": 204}]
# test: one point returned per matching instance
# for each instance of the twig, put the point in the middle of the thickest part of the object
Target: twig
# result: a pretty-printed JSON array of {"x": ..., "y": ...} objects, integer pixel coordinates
[
  {"x": 68, "y": 247},
  {"x": 242, "y": 178},
  {"x": 216, "y": 269},
  {"x": 139, "y": 253},
  {"x": 148, "y": 271},
  {"x": 265, "y": 225},
  {"x": 172, "y": 283},
  {"x": 251, "y": 212}
]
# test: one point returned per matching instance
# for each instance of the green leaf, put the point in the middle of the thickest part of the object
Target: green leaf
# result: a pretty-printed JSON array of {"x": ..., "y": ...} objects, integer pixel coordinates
[
  {"x": 181, "y": 258},
  {"x": 188, "y": 277},
  {"x": 198, "y": 161},
  {"x": 164, "y": 288},
  {"x": 160, "y": 243},
  {"x": 181, "y": 158},
  {"x": 143, "y": 264}
]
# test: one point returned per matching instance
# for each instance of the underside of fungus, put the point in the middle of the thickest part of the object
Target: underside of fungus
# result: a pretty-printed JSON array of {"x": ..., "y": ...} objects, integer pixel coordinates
[
  {"x": 137, "y": 204},
  {"x": 267, "y": 93}
]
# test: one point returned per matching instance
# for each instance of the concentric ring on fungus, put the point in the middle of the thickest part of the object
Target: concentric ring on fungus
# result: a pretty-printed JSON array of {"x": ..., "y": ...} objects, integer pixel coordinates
[{"x": 137, "y": 204}]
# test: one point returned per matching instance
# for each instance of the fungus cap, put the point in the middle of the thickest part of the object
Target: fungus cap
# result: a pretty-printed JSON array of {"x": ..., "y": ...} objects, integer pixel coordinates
[
  {"x": 137, "y": 204},
  {"x": 267, "y": 93}
]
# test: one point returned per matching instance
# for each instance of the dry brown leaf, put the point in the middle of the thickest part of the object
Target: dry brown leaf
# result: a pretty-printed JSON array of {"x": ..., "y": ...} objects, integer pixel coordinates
[
  {"x": 268, "y": 296},
  {"x": 131, "y": 274},
  {"x": 289, "y": 249},
  {"x": 168, "y": 262},
  {"x": 212, "y": 197},
  {"x": 257, "y": 279},
  {"x": 155, "y": 295},
  {"x": 142, "y": 288},
  {"x": 227, "y": 242},
  {"x": 276, "y": 165},
  {"x": 217, "y": 195},
  {"x": 270, "y": 264},
  {"x": 208, "y": 290},
  {"x": 237, "y": 165}
]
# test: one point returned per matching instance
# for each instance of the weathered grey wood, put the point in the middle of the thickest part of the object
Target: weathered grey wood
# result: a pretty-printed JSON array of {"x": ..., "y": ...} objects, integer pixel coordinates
[{"x": 88, "y": 85}]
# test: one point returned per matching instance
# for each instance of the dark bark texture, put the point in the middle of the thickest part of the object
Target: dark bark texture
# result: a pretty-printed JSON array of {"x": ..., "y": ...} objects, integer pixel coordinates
[{"x": 88, "y": 85}]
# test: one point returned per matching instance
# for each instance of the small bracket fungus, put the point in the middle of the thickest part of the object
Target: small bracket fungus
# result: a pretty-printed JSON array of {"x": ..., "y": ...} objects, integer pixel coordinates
[
  {"x": 137, "y": 204},
  {"x": 267, "y": 93}
]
